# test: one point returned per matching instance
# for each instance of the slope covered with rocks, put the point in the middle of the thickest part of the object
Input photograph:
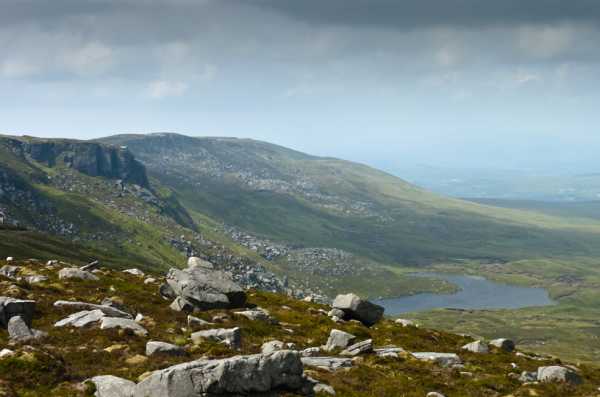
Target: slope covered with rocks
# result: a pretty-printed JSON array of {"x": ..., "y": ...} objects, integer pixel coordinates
[{"x": 70, "y": 330}]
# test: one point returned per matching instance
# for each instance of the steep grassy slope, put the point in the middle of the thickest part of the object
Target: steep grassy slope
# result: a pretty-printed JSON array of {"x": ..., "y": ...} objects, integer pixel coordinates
[{"x": 289, "y": 196}]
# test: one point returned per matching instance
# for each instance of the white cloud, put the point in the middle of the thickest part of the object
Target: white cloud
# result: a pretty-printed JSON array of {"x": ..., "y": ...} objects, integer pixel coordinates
[
  {"x": 18, "y": 68},
  {"x": 92, "y": 58},
  {"x": 160, "y": 89}
]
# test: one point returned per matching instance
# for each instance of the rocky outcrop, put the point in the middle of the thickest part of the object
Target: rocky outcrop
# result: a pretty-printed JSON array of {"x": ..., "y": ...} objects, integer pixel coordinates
[
  {"x": 241, "y": 375},
  {"x": 359, "y": 309},
  {"x": 204, "y": 289},
  {"x": 327, "y": 363},
  {"x": 559, "y": 374}
]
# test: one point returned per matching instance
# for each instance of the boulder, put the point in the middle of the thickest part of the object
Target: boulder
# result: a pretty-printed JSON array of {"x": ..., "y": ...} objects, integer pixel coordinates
[
  {"x": 166, "y": 291},
  {"x": 9, "y": 271},
  {"x": 311, "y": 352},
  {"x": 5, "y": 353},
  {"x": 111, "y": 386},
  {"x": 155, "y": 348},
  {"x": 528, "y": 377},
  {"x": 10, "y": 307},
  {"x": 327, "y": 363},
  {"x": 90, "y": 266},
  {"x": 19, "y": 331},
  {"x": 359, "y": 309},
  {"x": 559, "y": 374},
  {"x": 81, "y": 319},
  {"x": 365, "y": 346},
  {"x": 232, "y": 337},
  {"x": 258, "y": 314},
  {"x": 404, "y": 322},
  {"x": 275, "y": 345},
  {"x": 391, "y": 352},
  {"x": 73, "y": 273},
  {"x": 180, "y": 304},
  {"x": 503, "y": 344},
  {"x": 257, "y": 374},
  {"x": 336, "y": 313},
  {"x": 124, "y": 324},
  {"x": 338, "y": 340},
  {"x": 110, "y": 311},
  {"x": 194, "y": 261},
  {"x": 477, "y": 347},
  {"x": 135, "y": 272},
  {"x": 442, "y": 359},
  {"x": 206, "y": 289},
  {"x": 36, "y": 279}
]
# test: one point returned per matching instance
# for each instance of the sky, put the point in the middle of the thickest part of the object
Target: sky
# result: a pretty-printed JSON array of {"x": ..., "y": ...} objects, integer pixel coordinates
[{"x": 507, "y": 84}]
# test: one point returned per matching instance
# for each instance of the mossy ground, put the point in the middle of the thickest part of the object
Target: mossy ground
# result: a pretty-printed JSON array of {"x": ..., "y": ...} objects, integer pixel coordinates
[{"x": 57, "y": 364}]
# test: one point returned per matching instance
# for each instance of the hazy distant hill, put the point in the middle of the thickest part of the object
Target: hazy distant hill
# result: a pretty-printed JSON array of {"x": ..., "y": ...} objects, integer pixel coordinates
[{"x": 284, "y": 195}]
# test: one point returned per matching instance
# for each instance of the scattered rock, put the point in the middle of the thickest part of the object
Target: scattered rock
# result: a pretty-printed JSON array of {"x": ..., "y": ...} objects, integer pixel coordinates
[
  {"x": 194, "y": 322},
  {"x": 36, "y": 279},
  {"x": 327, "y": 363},
  {"x": 359, "y": 309},
  {"x": 10, "y": 307},
  {"x": 73, "y": 273},
  {"x": 365, "y": 346},
  {"x": 557, "y": 373},
  {"x": 81, "y": 319},
  {"x": 206, "y": 289},
  {"x": 232, "y": 337},
  {"x": 9, "y": 271},
  {"x": 477, "y": 347},
  {"x": 435, "y": 394},
  {"x": 111, "y": 386},
  {"x": 272, "y": 346},
  {"x": 5, "y": 353},
  {"x": 405, "y": 323},
  {"x": 528, "y": 377},
  {"x": 19, "y": 331},
  {"x": 182, "y": 305},
  {"x": 154, "y": 348},
  {"x": 311, "y": 352},
  {"x": 138, "y": 359},
  {"x": 503, "y": 344},
  {"x": 442, "y": 359},
  {"x": 338, "y": 340},
  {"x": 241, "y": 375},
  {"x": 135, "y": 272},
  {"x": 391, "y": 352},
  {"x": 150, "y": 280},
  {"x": 90, "y": 266},
  {"x": 194, "y": 261},
  {"x": 322, "y": 388},
  {"x": 123, "y": 323},
  {"x": 110, "y": 311},
  {"x": 258, "y": 314}
]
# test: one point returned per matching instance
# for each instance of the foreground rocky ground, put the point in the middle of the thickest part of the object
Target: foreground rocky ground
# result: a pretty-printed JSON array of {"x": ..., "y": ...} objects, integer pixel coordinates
[{"x": 69, "y": 331}]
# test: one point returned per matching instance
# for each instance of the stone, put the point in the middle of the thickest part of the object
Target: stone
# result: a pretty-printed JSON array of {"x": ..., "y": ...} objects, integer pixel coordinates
[
  {"x": 10, "y": 307},
  {"x": 118, "y": 348},
  {"x": 258, "y": 374},
  {"x": 258, "y": 314},
  {"x": 477, "y": 347},
  {"x": 556, "y": 373},
  {"x": 194, "y": 261},
  {"x": 5, "y": 353},
  {"x": 139, "y": 318},
  {"x": 404, "y": 322},
  {"x": 206, "y": 289},
  {"x": 528, "y": 377},
  {"x": 232, "y": 337},
  {"x": 197, "y": 322},
  {"x": 112, "y": 386},
  {"x": 135, "y": 272},
  {"x": 81, "y": 319},
  {"x": 338, "y": 340},
  {"x": 36, "y": 279},
  {"x": 150, "y": 280},
  {"x": 73, "y": 273},
  {"x": 110, "y": 311},
  {"x": 321, "y": 388},
  {"x": 365, "y": 346},
  {"x": 155, "y": 347},
  {"x": 19, "y": 331},
  {"x": 390, "y": 352},
  {"x": 327, "y": 363},
  {"x": 442, "y": 359},
  {"x": 9, "y": 271},
  {"x": 138, "y": 359},
  {"x": 10, "y": 259},
  {"x": 123, "y": 323},
  {"x": 182, "y": 305},
  {"x": 359, "y": 309},
  {"x": 166, "y": 291},
  {"x": 311, "y": 352},
  {"x": 272, "y": 346},
  {"x": 90, "y": 266},
  {"x": 336, "y": 313},
  {"x": 435, "y": 394},
  {"x": 503, "y": 344}
]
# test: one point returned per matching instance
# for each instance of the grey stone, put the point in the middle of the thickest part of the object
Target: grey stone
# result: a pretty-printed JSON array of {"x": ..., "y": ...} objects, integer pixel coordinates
[
  {"x": 36, "y": 279},
  {"x": 336, "y": 313},
  {"x": 206, "y": 289},
  {"x": 442, "y": 359},
  {"x": 258, "y": 314},
  {"x": 194, "y": 261},
  {"x": 435, "y": 394},
  {"x": 322, "y": 388},
  {"x": 557, "y": 373},
  {"x": 311, "y": 352},
  {"x": 390, "y": 351},
  {"x": 528, "y": 377},
  {"x": 112, "y": 386},
  {"x": 19, "y": 331},
  {"x": 135, "y": 272},
  {"x": 155, "y": 347},
  {"x": 90, "y": 266},
  {"x": 241, "y": 375},
  {"x": 180, "y": 304},
  {"x": 232, "y": 337},
  {"x": 166, "y": 291},
  {"x": 123, "y": 323},
  {"x": 106, "y": 309},
  {"x": 73, "y": 273},
  {"x": 4, "y": 353},
  {"x": 9, "y": 271},
  {"x": 338, "y": 340},
  {"x": 503, "y": 344},
  {"x": 404, "y": 322},
  {"x": 10, "y": 307},
  {"x": 359, "y": 309},
  {"x": 365, "y": 346},
  {"x": 327, "y": 363},
  {"x": 81, "y": 319},
  {"x": 197, "y": 322},
  {"x": 272, "y": 346},
  {"x": 477, "y": 347}
]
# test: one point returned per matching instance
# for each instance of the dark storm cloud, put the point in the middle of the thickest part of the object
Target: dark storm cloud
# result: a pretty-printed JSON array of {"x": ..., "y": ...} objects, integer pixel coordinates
[{"x": 410, "y": 14}]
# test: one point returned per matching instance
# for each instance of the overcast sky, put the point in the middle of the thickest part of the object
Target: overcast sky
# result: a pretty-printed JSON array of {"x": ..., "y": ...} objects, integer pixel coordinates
[{"x": 462, "y": 83}]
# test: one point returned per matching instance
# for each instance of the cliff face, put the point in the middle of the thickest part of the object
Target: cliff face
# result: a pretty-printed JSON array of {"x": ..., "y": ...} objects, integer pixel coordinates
[{"x": 90, "y": 158}]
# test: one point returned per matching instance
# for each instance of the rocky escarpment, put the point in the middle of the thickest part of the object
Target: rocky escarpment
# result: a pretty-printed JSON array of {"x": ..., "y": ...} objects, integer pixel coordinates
[{"x": 90, "y": 158}]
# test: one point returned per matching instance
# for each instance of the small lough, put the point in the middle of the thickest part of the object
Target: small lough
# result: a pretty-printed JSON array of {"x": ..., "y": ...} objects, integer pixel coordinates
[{"x": 475, "y": 293}]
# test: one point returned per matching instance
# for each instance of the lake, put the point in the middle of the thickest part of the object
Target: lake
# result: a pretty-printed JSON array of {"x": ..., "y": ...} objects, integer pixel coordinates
[{"x": 475, "y": 293}]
